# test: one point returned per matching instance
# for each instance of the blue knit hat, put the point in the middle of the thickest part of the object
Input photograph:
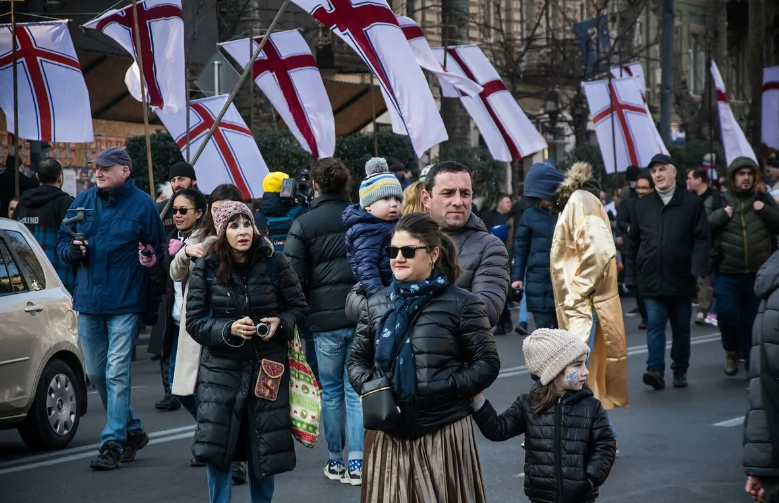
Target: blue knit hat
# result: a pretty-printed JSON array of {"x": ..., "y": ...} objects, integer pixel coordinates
[
  {"x": 542, "y": 181},
  {"x": 379, "y": 183}
]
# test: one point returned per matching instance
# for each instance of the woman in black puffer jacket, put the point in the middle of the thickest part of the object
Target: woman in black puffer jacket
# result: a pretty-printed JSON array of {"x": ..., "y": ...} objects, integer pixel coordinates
[
  {"x": 232, "y": 290},
  {"x": 449, "y": 358}
]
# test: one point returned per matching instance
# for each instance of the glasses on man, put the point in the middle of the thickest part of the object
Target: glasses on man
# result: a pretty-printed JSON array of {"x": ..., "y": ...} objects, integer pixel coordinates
[
  {"x": 408, "y": 252},
  {"x": 183, "y": 210}
]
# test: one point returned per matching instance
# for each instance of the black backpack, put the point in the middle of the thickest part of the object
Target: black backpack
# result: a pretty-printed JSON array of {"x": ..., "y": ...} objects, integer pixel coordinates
[{"x": 278, "y": 228}]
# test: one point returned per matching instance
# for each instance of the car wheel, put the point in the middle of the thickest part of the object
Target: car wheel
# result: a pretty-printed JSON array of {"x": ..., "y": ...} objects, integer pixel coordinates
[{"x": 53, "y": 418}]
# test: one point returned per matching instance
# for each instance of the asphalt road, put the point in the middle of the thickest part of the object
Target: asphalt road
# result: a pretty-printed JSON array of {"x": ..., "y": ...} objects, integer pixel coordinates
[{"x": 676, "y": 445}]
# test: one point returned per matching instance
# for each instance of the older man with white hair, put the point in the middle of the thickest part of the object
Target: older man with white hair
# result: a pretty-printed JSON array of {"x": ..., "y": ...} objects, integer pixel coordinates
[{"x": 668, "y": 247}]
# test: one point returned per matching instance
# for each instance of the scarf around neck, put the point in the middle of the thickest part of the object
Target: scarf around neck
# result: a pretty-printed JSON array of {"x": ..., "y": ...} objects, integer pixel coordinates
[{"x": 406, "y": 301}]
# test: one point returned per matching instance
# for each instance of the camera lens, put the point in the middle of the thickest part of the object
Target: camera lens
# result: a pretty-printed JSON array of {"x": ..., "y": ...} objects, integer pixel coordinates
[{"x": 262, "y": 329}]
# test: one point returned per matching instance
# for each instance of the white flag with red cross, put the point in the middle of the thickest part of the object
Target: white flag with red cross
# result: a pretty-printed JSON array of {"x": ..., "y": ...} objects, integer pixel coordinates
[
  {"x": 371, "y": 29},
  {"x": 637, "y": 72},
  {"x": 53, "y": 98},
  {"x": 287, "y": 73},
  {"x": 770, "y": 115},
  {"x": 457, "y": 84},
  {"x": 622, "y": 124},
  {"x": 734, "y": 142},
  {"x": 506, "y": 130},
  {"x": 231, "y": 155},
  {"x": 161, "y": 34}
]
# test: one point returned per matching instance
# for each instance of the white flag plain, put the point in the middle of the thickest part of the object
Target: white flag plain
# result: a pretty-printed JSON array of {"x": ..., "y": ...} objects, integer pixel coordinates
[
  {"x": 734, "y": 142},
  {"x": 770, "y": 115},
  {"x": 53, "y": 98},
  {"x": 506, "y": 130},
  {"x": 371, "y": 29},
  {"x": 161, "y": 32},
  {"x": 287, "y": 73},
  {"x": 637, "y": 72},
  {"x": 231, "y": 155},
  {"x": 458, "y": 84},
  {"x": 619, "y": 101}
]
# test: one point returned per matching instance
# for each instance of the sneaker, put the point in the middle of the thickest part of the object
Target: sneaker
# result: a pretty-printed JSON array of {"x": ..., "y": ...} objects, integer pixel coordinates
[
  {"x": 194, "y": 463},
  {"x": 654, "y": 378},
  {"x": 521, "y": 329},
  {"x": 109, "y": 458},
  {"x": 134, "y": 444},
  {"x": 700, "y": 318},
  {"x": 731, "y": 363},
  {"x": 167, "y": 404},
  {"x": 633, "y": 312},
  {"x": 239, "y": 472},
  {"x": 334, "y": 469},
  {"x": 680, "y": 379},
  {"x": 354, "y": 475},
  {"x": 711, "y": 319},
  {"x": 642, "y": 325}
]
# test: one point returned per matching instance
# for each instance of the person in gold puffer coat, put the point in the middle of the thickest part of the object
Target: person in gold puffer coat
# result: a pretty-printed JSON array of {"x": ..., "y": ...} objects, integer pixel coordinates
[{"x": 583, "y": 266}]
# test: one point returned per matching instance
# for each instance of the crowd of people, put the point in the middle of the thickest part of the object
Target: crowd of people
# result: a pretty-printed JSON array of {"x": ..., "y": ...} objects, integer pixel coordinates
[{"x": 398, "y": 298}]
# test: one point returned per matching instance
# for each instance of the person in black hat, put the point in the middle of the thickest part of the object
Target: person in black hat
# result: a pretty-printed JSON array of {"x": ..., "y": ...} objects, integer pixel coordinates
[
  {"x": 629, "y": 198},
  {"x": 668, "y": 248},
  {"x": 181, "y": 176}
]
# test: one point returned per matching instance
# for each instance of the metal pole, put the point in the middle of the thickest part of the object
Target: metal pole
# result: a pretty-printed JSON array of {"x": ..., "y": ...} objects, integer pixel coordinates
[
  {"x": 373, "y": 111},
  {"x": 187, "y": 105},
  {"x": 710, "y": 81},
  {"x": 613, "y": 130},
  {"x": 17, "y": 154},
  {"x": 138, "y": 52},
  {"x": 251, "y": 86},
  {"x": 666, "y": 62},
  {"x": 238, "y": 85}
]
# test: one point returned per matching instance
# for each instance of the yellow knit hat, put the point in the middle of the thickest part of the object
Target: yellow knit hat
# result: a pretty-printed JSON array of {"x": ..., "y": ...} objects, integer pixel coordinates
[{"x": 272, "y": 181}]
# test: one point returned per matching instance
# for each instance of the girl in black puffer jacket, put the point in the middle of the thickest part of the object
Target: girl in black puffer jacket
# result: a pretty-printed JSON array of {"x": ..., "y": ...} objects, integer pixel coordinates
[{"x": 569, "y": 445}]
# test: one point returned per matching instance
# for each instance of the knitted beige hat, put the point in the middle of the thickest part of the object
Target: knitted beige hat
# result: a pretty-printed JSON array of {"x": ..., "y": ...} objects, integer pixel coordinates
[{"x": 548, "y": 352}]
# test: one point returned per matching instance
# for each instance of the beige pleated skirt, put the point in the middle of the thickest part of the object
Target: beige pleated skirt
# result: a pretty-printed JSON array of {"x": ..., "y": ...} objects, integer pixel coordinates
[{"x": 441, "y": 467}]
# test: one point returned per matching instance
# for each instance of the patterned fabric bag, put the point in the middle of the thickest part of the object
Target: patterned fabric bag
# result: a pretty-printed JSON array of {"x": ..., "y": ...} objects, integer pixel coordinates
[{"x": 305, "y": 405}]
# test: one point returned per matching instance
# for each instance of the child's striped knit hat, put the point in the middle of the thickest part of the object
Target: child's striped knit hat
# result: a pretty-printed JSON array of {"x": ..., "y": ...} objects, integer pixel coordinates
[{"x": 379, "y": 183}]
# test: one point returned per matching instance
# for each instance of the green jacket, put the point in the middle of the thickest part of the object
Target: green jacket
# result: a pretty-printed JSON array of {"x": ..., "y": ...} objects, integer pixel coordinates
[{"x": 744, "y": 241}]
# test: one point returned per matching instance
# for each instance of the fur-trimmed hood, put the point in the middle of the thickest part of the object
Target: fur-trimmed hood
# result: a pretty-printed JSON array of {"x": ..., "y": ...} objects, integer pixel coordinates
[{"x": 579, "y": 177}]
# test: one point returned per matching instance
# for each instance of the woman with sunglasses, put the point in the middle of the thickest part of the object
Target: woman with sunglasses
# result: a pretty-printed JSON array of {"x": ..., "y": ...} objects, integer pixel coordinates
[{"x": 432, "y": 341}]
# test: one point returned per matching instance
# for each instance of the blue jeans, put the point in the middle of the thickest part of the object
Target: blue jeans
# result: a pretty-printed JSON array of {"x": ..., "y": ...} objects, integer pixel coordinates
[
  {"x": 737, "y": 307},
  {"x": 189, "y": 402},
  {"x": 220, "y": 489},
  {"x": 108, "y": 343},
  {"x": 659, "y": 311},
  {"x": 341, "y": 407},
  {"x": 524, "y": 315}
]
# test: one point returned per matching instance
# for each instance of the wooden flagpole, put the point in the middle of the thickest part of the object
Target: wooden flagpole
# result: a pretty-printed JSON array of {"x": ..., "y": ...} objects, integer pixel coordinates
[
  {"x": 238, "y": 85},
  {"x": 138, "y": 52}
]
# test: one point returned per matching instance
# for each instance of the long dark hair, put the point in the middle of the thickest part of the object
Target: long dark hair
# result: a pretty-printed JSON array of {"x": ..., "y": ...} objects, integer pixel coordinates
[
  {"x": 543, "y": 398},
  {"x": 425, "y": 229},
  {"x": 224, "y": 192},
  {"x": 197, "y": 199},
  {"x": 224, "y": 254},
  {"x": 331, "y": 176}
]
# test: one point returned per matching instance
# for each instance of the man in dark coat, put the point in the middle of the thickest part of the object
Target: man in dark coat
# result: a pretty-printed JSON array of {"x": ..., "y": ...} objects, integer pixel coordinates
[
  {"x": 629, "y": 198},
  {"x": 668, "y": 248},
  {"x": 744, "y": 233},
  {"x": 42, "y": 210}
]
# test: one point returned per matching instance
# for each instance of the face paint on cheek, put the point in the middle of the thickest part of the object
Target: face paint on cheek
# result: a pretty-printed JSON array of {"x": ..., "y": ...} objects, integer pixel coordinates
[{"x": 573, "y": 378}]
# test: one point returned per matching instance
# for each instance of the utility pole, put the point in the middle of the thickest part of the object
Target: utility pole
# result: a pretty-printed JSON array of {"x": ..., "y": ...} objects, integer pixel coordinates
[{"x": 666, "y": 64}]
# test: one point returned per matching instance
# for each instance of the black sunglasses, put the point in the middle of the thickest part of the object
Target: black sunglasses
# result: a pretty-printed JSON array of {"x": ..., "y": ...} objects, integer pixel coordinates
[
  {"x": 408, "y": 252},
  {"x": 183, "y": 210}
]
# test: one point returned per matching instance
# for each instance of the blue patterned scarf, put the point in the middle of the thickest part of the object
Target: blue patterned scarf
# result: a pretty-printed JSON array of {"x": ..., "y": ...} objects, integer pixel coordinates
[{"x": 406, "y": 300}]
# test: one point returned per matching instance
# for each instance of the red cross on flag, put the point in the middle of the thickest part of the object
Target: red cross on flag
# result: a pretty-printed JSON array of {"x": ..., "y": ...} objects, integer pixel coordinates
[
  {"x": 287, "y": 73},
  {"x": 371, "y": 29},
  {"x": 619, "y": 101},
  {"x": 505, "y": 128},
  {"x": 770, "y": 118},
  {"x": 452, "y": 85},
  {"x": 161, "y": 32},
  {"x": 231, "y": 155},
  {"x": 53, "y": 98},
  {"x": 637, "y": 72},
  {"x": 734, "y": 142}
]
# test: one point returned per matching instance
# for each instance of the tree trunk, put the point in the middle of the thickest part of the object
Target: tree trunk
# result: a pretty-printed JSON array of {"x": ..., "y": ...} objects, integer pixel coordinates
[
  {"x": 627, "y": 20},
  {"x": 756, "y": 42},
  {"x": 454, "y": 14}
]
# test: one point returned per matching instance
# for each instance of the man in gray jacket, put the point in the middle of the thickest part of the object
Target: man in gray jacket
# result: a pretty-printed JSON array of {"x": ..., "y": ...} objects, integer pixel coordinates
[{"x": 448, "y": 196}]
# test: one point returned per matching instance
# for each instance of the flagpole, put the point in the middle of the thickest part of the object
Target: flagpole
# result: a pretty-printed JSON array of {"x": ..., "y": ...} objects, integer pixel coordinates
[
  {"x": 710, "y": 80},
  {"x": 138, "y": 52},
  {"x": 613, "y": 132},
  {"x": 238, "y": 85},
  {"x": 17, "y": 154},
  {"x": 373, "y": 112}
]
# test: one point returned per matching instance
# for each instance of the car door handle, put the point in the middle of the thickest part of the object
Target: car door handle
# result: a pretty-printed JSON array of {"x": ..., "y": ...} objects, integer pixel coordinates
[{"x": 33, "y": 308}]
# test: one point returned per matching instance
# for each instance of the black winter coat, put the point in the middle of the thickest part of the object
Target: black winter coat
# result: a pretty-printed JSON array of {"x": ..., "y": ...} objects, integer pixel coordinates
[
  {"x": 668, "y": 246},
  {"x": 532, "y": 244},
  {"x": 317, "y": 252},
  {"x": 454, "y": 352},
  {"x": 623, "y": 211},
  {"x": 569, "y": 448},
  {"x": 232, "y": 422}
]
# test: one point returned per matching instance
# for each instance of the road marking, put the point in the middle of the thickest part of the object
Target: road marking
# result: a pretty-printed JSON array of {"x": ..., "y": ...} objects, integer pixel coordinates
[
  {"x": 95, "y": 392},
  {"x": 85, "y": 451},
  {"x": 736, "y": 421},
  {"x": 632, "y": 351}
]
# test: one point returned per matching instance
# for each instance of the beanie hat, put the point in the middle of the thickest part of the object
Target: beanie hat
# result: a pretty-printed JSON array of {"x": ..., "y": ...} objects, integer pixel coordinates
[
  {"x": 379, "y": 183},
  {"x": 631, "y": 174},
  {"x": 548, "y": 352},
  {"x": 272, "y": 181},
  {"x": 182, "y": 169},
  {"x": 542, "y": 181},
  {"x": 228, "y": 210}
]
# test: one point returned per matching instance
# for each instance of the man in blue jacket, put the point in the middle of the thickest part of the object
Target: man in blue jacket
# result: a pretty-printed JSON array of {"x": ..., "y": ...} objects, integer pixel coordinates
[{"x": 112, "y": 293}]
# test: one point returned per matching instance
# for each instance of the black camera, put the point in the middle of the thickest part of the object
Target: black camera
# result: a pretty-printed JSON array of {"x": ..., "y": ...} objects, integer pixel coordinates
[
  {"x": 297, "y": 192},
  {"x": 263, "y": 329}
]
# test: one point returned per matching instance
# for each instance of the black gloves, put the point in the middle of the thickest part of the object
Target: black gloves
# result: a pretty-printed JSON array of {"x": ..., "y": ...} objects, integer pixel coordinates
[{"x": 76, "y": 253}]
